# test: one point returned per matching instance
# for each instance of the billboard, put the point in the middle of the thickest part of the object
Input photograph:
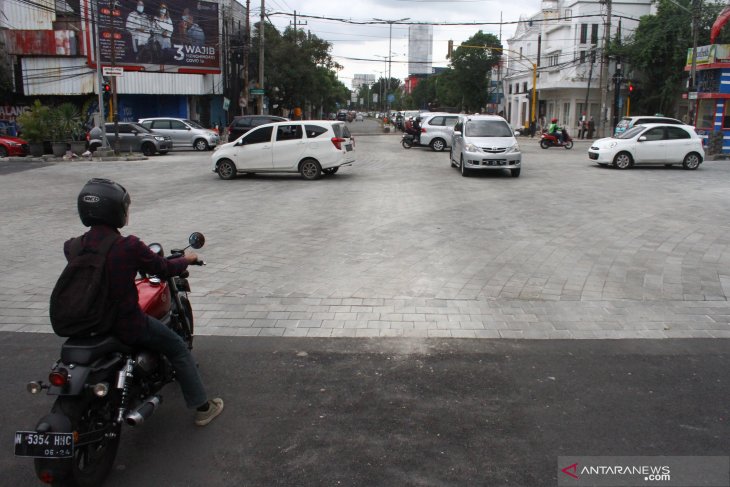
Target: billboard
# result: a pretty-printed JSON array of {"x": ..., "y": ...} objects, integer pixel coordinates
[{"x": 155, "y": 35}]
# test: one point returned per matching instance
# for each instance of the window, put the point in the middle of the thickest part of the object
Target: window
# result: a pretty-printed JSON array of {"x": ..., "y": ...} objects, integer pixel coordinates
[
  {"x": 510, "y": 89},
  {"x": 450, "y": 121},
  {"x": 314, "y": 131},
  {"x": 582, "y": 57},
  {"x": 258, "y": 136},
  {"x": 488, "y": 128},
  {"x": 594, "y": 34},
  {"x": 341, "y": 130},
  {"x": 147, "y": 124},
  {"x": 677, "y": 133},
  {"x": 553, "y": 59},
  {"x": 583, "y": 33},
  {"x": 706, "y": 114},
  {"x": 524, "y": 87},
  {"x": 255, "y": 122},
  {"x": 439, "y": 121},
  {"x": 289, "y": 132},
  {"x": 177, "y": 125},
  {"x": 657, "y": 133},
  {"x": 161, "y": 124},
  {"x": 243, "y": 122},
  {"x": 568, "y": 14},
  {"x": 124, "y": 128}
]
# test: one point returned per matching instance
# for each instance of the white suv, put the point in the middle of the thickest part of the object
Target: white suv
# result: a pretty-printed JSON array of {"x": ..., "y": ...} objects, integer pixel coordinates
[
  {"x": 311, "y": 148},
  {"x": 437, "y": 129},
  {"x": 485, "y": 143},
  {"x": 184, "y": 133}
]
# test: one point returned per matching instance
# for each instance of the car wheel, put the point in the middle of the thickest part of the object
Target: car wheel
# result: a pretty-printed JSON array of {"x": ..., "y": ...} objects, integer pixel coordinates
[
  {"x": 330, "y": 171},
  {"x": 464, "y": 170},
  {"x": 438, "y": 145},
  {"x": 200, "y": 144},
  {"x": 692, "y": 161},
  {"x": 3, "y": 151},
  {"x": 515, "y": 172},
  {"x": 623, "y": 160},
  {"x": 148, "y": 149},
  {"x": 310, "y": 169},
  {"x": 226, "y": 169}
]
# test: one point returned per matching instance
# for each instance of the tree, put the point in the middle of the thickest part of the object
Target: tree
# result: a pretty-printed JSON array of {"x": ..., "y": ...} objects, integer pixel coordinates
[
  {"x": 657, "y": 54},
  {"x": 472, "y": 67}
]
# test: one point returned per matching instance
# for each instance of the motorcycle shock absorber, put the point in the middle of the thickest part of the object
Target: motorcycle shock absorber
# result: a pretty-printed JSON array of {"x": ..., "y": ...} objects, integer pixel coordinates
[{"x": 125, "y": 374}]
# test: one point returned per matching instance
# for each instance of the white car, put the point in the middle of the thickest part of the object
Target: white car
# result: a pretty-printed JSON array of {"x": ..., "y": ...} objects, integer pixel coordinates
[
  {"x": 652, "y": 143},
  {"x": 485, "y": 143},
  {"x": 311, "y": 148},
  {"x": 437, "y": 129}
]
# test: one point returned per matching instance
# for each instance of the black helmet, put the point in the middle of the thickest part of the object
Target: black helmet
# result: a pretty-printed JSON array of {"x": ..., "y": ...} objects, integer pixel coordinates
[{"x": 103, "y": 202}]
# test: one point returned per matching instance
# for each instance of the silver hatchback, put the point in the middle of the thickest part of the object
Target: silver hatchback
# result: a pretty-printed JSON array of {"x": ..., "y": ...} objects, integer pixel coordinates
[
  {"x": 184, "y": 133},
  {"x": 485, "y": 143}
]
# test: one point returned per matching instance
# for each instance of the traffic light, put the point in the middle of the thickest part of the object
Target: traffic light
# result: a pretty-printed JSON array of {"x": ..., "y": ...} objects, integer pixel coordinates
[
  {"x": 631, "y": 88},
  {"x": 106, "y": 90}
]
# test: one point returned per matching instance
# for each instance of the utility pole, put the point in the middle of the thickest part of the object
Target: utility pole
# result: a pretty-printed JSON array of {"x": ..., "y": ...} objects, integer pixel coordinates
[
  {"x": 604, "y": 70},
  {"x": 693, "y": 68},
  {"x": 262, "y": 35},
  {"x": 99, "y": 79},
  {"x": 246, "y": 51},
  {"x": 390, "y": 43}
]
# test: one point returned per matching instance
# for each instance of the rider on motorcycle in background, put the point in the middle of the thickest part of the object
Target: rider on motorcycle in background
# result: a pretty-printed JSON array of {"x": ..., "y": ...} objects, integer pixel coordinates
[
  {"x": 555, "y": 131},
  {"x": 103, "y": 205},
  {"x": 415, "y": 130}
]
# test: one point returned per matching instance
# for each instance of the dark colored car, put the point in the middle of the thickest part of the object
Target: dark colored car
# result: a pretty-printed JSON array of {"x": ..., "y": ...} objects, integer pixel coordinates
[
  {"x": 134, "y": 138},
  {"x": 243, "y": 123}
]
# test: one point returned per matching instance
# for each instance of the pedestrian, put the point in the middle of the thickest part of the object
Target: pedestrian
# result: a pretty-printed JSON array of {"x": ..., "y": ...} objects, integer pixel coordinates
[
  {"x": 103, "y": 205},
  {"x": 13, "y": 127},
  {"x": 591, "y": 127}
]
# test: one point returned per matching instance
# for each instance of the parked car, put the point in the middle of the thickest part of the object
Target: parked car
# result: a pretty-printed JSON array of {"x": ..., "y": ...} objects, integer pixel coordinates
[
  {"x": 654, "y": 143},
  {"x": 359, "y": 118},
  {"x": 134, "y": 138},
  {"x": 627, "y": 122},
  {"x": 485, "y": 143},
  {"x": 13, "y": 146},
  {"x": 311, "y": 148},
  {"x": 342, "y": 116},
  {"x": 243, "y": 123},
  {"x": 183, "y": 132},
  {"x": 437, "y": 129}
]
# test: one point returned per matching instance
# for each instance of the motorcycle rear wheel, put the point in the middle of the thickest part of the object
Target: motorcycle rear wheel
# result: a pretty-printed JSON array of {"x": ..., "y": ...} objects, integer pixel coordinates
[
  {"x": 406, "y": 144},
  {"x": 569, "y": 144},
  {"x": 91, "y": 462},
  {"x": 544, "y": 144}
]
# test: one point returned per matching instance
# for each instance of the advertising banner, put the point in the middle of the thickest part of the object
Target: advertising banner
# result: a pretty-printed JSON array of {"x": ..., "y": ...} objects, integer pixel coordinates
[{"x": 151, "y": 33}]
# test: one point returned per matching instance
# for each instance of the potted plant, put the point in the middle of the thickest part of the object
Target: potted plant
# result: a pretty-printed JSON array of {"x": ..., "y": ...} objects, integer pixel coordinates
[
  {"x": 71, "y": 127},
  {"x": 35, "y": 129}
]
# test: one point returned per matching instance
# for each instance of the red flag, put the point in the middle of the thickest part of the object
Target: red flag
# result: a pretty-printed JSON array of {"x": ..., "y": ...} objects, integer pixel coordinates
[{"x": 720, "y": 21}]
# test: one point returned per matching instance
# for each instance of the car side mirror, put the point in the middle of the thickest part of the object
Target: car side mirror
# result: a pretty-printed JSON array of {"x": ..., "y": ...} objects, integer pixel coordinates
[
  {"x": 457, "y": 133},
  {"x": 240, "y": 142},
  {"x": 135, "y": 132},
  {"x": 642, "y": 138},
  {"x": 188, "y": 128}
]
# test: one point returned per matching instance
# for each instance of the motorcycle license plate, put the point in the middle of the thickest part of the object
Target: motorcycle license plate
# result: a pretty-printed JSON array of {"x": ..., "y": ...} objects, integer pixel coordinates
[{"x": 44, "y": 445}]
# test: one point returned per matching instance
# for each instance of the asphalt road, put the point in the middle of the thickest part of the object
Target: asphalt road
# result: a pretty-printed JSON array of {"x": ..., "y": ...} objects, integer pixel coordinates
[{"x": 404, "y": 412}]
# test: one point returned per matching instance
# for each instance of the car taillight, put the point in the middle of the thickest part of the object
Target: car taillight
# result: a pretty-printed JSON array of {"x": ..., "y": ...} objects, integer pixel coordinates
[
  {"x": 59, "y": 377},
  {"x": 423, "y": 130},
  {"x": 337, "y": 141}
]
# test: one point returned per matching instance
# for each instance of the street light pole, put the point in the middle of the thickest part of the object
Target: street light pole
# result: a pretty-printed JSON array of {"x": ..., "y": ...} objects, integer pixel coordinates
[
  {"x": 390, "y": 43},
  {"x": 99, "y": 79}
]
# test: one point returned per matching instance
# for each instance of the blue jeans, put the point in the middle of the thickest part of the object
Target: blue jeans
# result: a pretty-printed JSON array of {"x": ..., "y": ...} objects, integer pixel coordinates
[{"x": 159, "y": 338}]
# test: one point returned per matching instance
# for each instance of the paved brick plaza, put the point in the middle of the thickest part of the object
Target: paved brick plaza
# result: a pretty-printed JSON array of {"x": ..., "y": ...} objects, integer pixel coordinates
[{"x": 402, "y": 245}]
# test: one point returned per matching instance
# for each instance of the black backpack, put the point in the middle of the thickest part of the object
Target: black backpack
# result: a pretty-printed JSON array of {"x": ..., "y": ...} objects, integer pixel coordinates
[{"x": 80, "y": 303}]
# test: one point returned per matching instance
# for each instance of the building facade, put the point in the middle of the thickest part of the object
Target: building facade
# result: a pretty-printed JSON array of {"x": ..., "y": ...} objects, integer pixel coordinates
[
  {"x": 563, "y": 44},
  {"x": 170, "y": 56},
  {"x": 712, "y": 120}
]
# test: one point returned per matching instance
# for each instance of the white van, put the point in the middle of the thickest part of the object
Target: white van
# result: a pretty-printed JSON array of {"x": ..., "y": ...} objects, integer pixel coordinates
[{"x": 485, "y": 143}]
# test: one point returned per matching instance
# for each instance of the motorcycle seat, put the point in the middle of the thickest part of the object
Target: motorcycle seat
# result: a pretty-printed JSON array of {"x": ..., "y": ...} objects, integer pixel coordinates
[{"x": 84, "y": 351}]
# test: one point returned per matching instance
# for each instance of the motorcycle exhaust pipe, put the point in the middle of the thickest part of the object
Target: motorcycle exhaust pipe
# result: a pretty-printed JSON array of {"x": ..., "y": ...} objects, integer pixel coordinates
[{"x": 143, "y": 411}]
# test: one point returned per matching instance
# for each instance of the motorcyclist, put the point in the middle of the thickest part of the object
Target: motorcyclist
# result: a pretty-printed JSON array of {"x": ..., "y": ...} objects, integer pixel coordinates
[
  {"x": 415, "y": 130},
  {"x": 555, "y": 131},
  {"x": 103, "y": 205}
]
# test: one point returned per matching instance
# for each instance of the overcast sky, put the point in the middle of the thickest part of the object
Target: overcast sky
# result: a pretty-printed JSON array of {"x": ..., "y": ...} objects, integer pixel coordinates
[{"x": 370, "y": 42}]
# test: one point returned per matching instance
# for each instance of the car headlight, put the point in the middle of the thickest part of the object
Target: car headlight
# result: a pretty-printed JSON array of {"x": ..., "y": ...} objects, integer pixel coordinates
[
  {"x": 13, "y": 144},
  {"x": 471, "y": 148},
  {"x": 514, "y": 148},
  {"x": 158, "y": 137}
]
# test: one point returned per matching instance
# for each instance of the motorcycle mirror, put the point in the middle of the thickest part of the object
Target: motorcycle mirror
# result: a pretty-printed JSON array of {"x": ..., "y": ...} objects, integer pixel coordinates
[{"x": 196, "y": 240}]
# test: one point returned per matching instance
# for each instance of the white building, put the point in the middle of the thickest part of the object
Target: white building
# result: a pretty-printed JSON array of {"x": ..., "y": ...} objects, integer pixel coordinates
[
  {"x": 565, "y": 41},
  {"x": 420, "y": 49}
]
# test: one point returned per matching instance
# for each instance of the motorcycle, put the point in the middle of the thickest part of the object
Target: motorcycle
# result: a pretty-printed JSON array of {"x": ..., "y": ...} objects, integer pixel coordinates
[
  {"x": 101, "y": 383},
  {"x": 409, "y": 140},
  {"x": 548, "y": 140}
]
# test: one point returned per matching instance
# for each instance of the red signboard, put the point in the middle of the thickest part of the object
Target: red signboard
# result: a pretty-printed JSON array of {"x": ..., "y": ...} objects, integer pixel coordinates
[{"x": 40, "y": 42}]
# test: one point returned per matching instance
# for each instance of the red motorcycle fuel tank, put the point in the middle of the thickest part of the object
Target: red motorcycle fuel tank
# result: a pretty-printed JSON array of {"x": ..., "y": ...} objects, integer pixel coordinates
[{"x": 154, "y": 297}]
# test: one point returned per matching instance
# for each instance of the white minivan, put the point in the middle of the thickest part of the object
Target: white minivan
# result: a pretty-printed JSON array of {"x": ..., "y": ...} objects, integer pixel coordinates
[
  {"x": 485, "y": 143},
  {"x": 311, "y": 148}
]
